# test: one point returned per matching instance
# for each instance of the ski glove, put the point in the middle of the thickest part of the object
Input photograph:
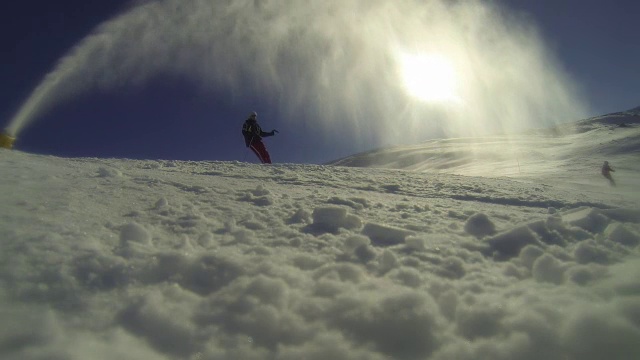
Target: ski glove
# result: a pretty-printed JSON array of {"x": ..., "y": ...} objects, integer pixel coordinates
[{"x": 273, "y": 132}]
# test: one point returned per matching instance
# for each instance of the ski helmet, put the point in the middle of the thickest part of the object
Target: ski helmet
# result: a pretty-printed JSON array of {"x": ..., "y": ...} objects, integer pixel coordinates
[{"x": 253, "y": 114}]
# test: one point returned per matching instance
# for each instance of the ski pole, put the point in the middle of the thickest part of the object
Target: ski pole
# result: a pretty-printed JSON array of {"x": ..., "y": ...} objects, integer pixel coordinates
[{"x": 247, "y": 152}]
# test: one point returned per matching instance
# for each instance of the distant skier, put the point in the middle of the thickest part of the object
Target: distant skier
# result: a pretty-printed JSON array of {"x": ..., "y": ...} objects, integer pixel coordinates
[
  {"x": 253, "y": 135},
  {"x": 606, "y": 172}
]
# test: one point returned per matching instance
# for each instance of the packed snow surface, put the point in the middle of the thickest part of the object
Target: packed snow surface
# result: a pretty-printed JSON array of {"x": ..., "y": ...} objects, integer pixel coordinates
[{"x": 155, "y": 259}]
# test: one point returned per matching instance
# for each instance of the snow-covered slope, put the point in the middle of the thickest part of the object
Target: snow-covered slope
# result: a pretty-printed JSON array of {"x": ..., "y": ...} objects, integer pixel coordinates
[
  {"x": 127, "y": 259},
  {"x": 574, "y": 151}
]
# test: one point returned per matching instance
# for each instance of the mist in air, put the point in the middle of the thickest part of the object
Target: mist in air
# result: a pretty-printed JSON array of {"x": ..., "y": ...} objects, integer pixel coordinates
[{"x": 392, "y": 71}]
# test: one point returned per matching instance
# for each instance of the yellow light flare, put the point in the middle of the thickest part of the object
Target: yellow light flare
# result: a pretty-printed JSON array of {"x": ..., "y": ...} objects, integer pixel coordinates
[{"x": 430, "y": 78}]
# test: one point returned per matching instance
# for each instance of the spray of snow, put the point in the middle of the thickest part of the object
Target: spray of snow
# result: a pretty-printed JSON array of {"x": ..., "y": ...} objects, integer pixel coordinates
[{"x": 331, "y": 62}]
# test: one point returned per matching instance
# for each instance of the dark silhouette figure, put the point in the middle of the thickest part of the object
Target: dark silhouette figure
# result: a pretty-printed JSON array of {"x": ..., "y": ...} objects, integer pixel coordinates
[
  {"x": 253, "y": 135},
  {"x": 606, "y": 172}
]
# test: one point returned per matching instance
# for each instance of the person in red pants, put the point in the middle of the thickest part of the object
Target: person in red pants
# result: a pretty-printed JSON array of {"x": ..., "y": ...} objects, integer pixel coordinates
[{"x": 253, "y": 135}]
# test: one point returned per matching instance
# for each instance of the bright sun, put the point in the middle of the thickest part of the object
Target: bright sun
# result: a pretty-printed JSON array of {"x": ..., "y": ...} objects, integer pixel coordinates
[{"x": 430, "y": 78}]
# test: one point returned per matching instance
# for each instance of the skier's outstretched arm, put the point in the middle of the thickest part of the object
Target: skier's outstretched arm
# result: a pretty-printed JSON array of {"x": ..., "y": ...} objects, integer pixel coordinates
[{"x": 271, "y": 133}]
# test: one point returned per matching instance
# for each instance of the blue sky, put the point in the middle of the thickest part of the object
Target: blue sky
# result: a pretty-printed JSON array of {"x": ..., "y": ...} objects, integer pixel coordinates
[
  {"x": 595, "y": 40},
  {"x": 171, "y": 117}
]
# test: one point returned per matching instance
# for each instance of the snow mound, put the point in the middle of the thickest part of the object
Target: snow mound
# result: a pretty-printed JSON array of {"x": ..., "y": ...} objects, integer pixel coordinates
[{"x": 217, "y": 260}]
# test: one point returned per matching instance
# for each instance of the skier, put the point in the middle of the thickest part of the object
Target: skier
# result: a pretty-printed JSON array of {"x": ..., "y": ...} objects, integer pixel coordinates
[
  {"x": 253, "y": 135},
  {"x": 606, "y": 172}
]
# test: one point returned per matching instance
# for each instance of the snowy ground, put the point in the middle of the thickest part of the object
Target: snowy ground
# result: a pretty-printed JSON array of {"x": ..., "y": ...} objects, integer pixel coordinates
[{"x": 128, "y": 259}]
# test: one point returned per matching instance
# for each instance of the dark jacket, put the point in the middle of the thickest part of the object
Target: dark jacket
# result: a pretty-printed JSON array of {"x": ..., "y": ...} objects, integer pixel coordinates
[
  {"x": 606, "y": 169},
  {"x": 253, "y": 132}
]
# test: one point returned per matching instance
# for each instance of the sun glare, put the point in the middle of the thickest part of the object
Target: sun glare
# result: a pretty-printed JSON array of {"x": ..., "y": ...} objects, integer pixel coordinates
[{"x": 430, "y": 78}]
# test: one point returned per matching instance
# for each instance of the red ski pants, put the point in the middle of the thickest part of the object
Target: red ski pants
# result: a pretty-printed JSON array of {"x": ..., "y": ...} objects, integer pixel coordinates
[{"x": 261, "y": 151}]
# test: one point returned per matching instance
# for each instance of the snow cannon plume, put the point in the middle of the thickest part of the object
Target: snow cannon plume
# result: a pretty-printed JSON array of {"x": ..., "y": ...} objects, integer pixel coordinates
[
  {"x": 415, "y": 69},
  {"x": 6, "y": 140}
]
